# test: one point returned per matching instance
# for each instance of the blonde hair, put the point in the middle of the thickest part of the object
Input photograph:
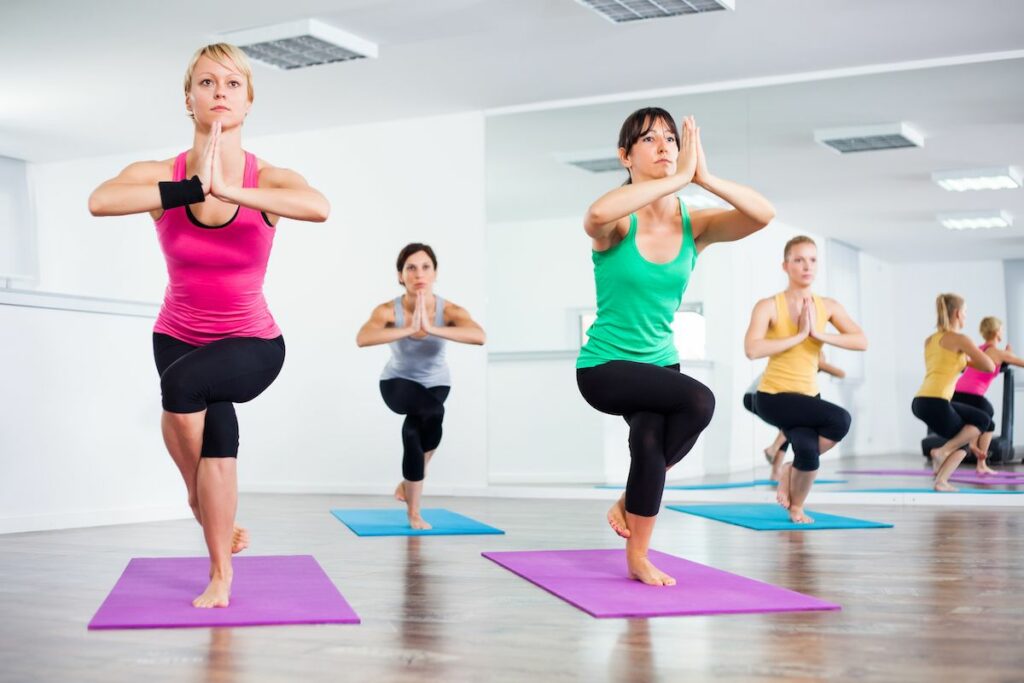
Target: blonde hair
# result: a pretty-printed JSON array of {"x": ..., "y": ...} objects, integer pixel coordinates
[
  {"x": 946, "y": 306},
  {"x": 224, "y": 54},
  {"x": 799, "y": 239},
  {"x": 990, "y": 327}
]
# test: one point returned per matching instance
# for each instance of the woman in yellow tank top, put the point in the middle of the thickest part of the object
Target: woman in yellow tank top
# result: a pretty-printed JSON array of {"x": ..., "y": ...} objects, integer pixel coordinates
[
  {"x": 946, "y": 353},
  {"x": 789, "y": 328}
]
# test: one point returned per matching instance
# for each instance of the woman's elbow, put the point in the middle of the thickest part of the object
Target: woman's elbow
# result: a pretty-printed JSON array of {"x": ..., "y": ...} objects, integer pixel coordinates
[{"x": 96, "y": 205}]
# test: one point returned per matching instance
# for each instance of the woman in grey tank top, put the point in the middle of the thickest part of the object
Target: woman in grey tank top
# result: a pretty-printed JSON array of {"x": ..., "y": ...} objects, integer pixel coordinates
[{"x": 416, "y": 381}]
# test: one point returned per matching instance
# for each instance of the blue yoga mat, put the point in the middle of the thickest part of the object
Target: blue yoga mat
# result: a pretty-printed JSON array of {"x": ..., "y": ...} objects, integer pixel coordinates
[
  {"x": 925, "y": 490},
  {"x": 727, "y": 485},
  {"x": 385, "y": 522},
  {"x": 768, "y": 517}
]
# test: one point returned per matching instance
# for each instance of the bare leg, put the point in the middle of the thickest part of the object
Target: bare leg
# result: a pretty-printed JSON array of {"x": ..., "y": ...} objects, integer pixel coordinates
[
  {"x": 413, "y": 493},
  {"x": 946, "y": 458},
  {"x": 183, "y": 436},
  {"x": 640, "y": 568},
  {"x": 617, "y": 517},
  {"x": 799, "y": 487},
  {"x": 217, "y": 484},
  {"x": 773, "y": 450},
  {"x": 782, "y": 491},
  {"x": 400, "y": 489},
  {"x": 980, "y": 449}
]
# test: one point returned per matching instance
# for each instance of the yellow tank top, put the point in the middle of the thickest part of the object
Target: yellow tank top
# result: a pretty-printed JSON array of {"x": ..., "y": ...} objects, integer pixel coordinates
[
  {"x": 942, "y": 369},
  {"x": 795, "y": 370}
]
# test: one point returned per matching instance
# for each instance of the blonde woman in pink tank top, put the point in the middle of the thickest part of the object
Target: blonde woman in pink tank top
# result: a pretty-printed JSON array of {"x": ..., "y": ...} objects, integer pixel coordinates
[
  {"x": 215, "y": 342},
  {"x": 974, "y": 383}
]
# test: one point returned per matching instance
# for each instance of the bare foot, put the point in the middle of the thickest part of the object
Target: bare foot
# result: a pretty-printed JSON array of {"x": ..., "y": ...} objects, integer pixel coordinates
[
  {"x": 417, "y": 522},
  {"x": 400, "y": 492},
  {"x": 782, "y": 492},
  {"x": 217, "y": 594},
  {"x": 798, "y": 516},
  {"x": 617, "y": 517},
  {"x": 769, "y": 455},
  {"x": 945, "y": 487},
  {"x": 983, "y": 468},
  {"x": 239, "y": 539},
  {"x": 641, "y": 569},
  {"x": 937, "y": 459}
]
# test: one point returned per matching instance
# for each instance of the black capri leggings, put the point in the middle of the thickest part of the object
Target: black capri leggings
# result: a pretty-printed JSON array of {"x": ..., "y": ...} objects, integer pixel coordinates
[
  {"x": 423, "y": 408},
  {"x": 666, "y": 412},
  {"x": 979, "y": 402},
  {"x": 946, "y": 419},
  {"x": 212, "y": 378},
  {"x": 803, "y": 419},
  {"x": 748, "y": 403}
]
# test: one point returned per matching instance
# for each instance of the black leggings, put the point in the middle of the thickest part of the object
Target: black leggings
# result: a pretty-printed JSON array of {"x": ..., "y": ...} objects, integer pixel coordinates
[
  {"x": 947, "y": 419},
  {"x": 212, "y": 378},
  {"x": 748, "y": 403},
  {"x": 803, "y": 419},
  {"x": 666, "y": 412},
  {"x": 979, "y": 402},
  {"x": 423, "y": 408}
]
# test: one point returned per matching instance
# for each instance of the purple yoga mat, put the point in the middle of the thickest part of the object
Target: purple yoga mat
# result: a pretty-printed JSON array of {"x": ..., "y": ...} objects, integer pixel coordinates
[
  {"x": 962, "y": 476},
  {"x": 157, "y": 592},
  {"x": 596, "y": 582}
]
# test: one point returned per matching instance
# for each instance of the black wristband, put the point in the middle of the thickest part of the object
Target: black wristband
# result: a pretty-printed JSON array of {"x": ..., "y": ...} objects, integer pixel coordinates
[{"x": 181, "y": 192}]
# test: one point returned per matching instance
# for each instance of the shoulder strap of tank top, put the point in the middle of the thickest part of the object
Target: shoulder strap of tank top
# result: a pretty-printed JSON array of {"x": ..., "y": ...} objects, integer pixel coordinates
[
  {"x": 439, "y": 311},
  {"x": 781, "y": 308},
  {"x": 399, "y": 313},
  {"x": 821, "y": 310},
  {"x": 251, "y": 175},
  {"x": 631, "y": 233},
  {"x": 179, "y": 166}
]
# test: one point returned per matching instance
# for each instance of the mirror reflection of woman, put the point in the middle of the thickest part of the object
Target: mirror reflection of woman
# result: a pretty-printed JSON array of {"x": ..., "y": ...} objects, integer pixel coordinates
[
  {"x": 216, "y": 209},
  {"x": 644, "y": 245},
  {"x": 790, "y": 329},
  {"x": 416, "y": 380}
]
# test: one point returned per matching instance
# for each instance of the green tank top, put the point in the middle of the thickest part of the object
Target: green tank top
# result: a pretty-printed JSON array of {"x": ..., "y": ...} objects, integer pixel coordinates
[{"x": 637, "y": 301}]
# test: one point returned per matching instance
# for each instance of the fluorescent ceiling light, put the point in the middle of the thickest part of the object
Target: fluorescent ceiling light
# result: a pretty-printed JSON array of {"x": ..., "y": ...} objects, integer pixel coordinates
[
  {"x": 972, "y": 220},
  {"x": 1001, "y": 178},
  {"x": 623, "y": 11},
  {"x": 302, "y": 43},
  {"x": 869, "y": 138}
]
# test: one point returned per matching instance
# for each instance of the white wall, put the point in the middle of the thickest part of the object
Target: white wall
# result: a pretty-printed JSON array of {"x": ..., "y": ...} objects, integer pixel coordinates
[{"x": 322, "y": 425}]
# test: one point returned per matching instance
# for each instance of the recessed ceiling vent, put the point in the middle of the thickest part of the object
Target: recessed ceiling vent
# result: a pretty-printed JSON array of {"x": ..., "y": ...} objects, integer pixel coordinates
[
  {"x": 869, "y": 138},
  {"x": 298, "y": 44},
  {"x": 624, "y": 11}
]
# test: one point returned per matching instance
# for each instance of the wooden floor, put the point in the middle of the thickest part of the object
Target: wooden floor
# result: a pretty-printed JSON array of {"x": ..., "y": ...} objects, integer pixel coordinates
[{"x": 940, "y": 597}]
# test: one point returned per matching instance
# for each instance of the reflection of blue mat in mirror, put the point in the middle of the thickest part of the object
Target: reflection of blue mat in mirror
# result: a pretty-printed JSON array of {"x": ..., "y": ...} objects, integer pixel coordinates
[
  {"x": 923, "y": 490},
  {"x": 768, "y": 517},
  {"x": 384, "y": 522},
  {"x": 726, "y": 485}
]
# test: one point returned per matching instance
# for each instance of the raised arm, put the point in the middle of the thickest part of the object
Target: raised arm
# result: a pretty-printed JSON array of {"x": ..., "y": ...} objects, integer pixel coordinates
[
  {"x": 751, "y": 210},
  {"x": 828, "y": 368},
  {"x": 380, "y": 328},
  {"x": 1006, "y": 355},
  {"x": 133, "y": 190},
  {"x": 603, "y": 215},
  {"x": 460, "y": 326},
  {"x": 754, "y": 343},
  {"x": 976, "y": 358},
  {"x": 281, "y": 193},
  {"x": 850, "y": 335}
]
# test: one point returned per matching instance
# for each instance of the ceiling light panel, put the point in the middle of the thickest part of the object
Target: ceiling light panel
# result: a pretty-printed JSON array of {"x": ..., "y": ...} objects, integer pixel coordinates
[
  {"x": 300, "y": 44},
  {"x": 625, "y": 11},
  {"x": 869, "y": 138},
  {"x": 1001, "y": 178},
  {"x": 973, "y": 220}
]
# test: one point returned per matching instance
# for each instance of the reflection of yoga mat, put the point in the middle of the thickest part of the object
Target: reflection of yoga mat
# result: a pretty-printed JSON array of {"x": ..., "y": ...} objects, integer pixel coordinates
[
  {"x": 386, "y": 522},
  {"x": 766, "y": 517},
  {"x": 925, "y": 490},
  {"x": 597, "y": 582},
  {"x": 962, "y": 476},
  {"x": 157, "y": 592},
  {"x": 728, "y": 485}
]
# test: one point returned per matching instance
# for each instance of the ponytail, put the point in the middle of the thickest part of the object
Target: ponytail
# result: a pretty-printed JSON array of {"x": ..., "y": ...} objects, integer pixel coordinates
[{"x": 946, "y": 306}]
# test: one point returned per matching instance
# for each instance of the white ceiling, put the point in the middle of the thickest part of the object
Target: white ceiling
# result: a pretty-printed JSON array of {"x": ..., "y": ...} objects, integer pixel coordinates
[{"x": 82, "y": 78}]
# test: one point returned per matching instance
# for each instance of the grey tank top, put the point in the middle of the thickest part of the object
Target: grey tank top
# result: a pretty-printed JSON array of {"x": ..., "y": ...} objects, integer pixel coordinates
[{"x": 419, "y": 360}]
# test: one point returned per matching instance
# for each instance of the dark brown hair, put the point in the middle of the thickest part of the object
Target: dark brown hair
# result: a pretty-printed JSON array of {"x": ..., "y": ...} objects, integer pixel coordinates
[
  {"x": 639, "y": 123},
  {"x": 410, "y": 249}
]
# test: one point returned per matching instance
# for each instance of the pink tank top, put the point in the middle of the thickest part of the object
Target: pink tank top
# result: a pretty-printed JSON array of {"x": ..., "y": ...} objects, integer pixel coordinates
[
  {"x": 975, "y": 381},
  {"x": 215, "y": 273}
]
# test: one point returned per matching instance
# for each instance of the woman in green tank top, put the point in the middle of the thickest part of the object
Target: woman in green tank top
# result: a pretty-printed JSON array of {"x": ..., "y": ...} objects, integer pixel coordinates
[{"x": 645, "y": 245}]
